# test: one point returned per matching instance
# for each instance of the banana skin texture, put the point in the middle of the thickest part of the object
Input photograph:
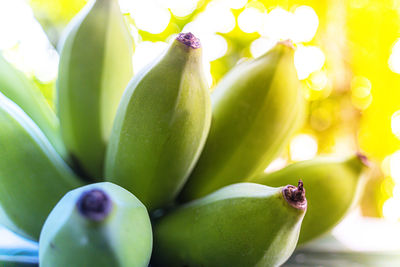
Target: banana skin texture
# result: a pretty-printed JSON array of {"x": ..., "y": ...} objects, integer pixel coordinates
[
  {"x": 256, "y": 108},
  {"x": 15, "y": 86},
  {"x": 239, "y": 225},
  {"x": 95, "y": 67},
  {"x": 331, "y": 184},
  {"x": 33, "y": 177},
  {"x": 97, "y": 225},
  {"x": 161, "y": 125}
]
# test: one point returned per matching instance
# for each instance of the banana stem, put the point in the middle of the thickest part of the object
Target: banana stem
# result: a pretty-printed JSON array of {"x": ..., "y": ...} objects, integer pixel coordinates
[
  {"x": 295, "y": 196},
  {"x": 189, "y": 39},
  {"x": 94, "y": 205}
]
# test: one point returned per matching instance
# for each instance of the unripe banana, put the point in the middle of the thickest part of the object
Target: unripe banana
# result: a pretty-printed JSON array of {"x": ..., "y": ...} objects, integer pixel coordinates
[
  {"x": 161, "y": 125},
  {"x": 15, "y": 86},
  {"x": 254, "y": 109},
  {"x": 332, "y": 185},
  {"x": 239, "y": 225},
  {"x": 33, "y": 177},
  {"x": 95, "y": 67},
  {"x": 94, "y": 226}
]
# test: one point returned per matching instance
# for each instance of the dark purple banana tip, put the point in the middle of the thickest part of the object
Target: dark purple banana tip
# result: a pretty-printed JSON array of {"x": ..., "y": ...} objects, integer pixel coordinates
[
  {"x": 295, "y": 196},
  {"x": 94, "y": 204},
  {"x": 189, "y": 39}
]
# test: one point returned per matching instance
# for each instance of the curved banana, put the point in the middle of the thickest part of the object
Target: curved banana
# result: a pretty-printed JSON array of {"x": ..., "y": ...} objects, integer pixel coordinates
[
  {"x": 95, "y": 67},
  {"x": 255, "y": 108},
  {"x": 33, "y": 177},
  {"x": 331, "y": 184},
  {"x": 17, "y": 87},
  {"x": 97, "y": 225},
  {"x": 239, "y": 225},
  {"x": 161, "y": 125}
]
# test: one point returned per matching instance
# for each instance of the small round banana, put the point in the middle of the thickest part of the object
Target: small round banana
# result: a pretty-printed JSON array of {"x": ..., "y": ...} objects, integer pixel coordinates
[
  {"x": 332, "y": 187},
  {"x": 239, "y": 225},
  {"x": 98, "y": 225}
]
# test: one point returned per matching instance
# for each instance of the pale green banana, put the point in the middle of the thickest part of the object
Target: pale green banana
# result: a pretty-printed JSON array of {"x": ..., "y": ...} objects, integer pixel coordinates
[
  {"x": 16, "y": 86},
  {"x": 331, "y": 185},
  {"x": 33, "y": 177},
  {"x": 95, "y": 67},
  {"x": 239, "y": 225},
  {"x": 256, "y": 108},
  {"x": 161, "y": 125},
  {"x": 94, "y": 226}
]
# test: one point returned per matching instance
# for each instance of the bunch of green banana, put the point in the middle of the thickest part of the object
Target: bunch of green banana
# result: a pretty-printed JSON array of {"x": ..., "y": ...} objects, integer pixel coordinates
[
  {"x": 15, "y": 86},
  {"x": 239, "y": 225},
  {"x": 97, "y": 225},
  {"x": 256, "y": 107},
  {"x": 95, "y": 67},
  {"x": 332, "y": 185},
  {"x": 33, "y": 177},
  {"x": 161, "y": 125}
]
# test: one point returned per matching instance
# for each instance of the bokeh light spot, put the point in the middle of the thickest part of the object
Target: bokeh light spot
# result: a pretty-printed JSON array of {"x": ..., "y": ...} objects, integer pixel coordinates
[
  {"x": 305, "y": 24},
  {"x": 145, "y": 53},
  {"x": 308, "y": 59},
  {"x": 250, "y": 20},
  {"x": 260, "y": 46},
  {"x": 303, "y": 147},
  {"x": 395, "y": 124}
]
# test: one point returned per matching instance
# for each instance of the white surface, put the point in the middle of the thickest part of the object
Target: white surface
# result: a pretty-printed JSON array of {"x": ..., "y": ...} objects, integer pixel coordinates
[{"x": 10, "y": 240}]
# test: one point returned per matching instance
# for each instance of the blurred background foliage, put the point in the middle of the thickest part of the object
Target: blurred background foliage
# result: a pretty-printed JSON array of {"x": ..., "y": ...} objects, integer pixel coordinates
[{"x": 347, "y": 57}]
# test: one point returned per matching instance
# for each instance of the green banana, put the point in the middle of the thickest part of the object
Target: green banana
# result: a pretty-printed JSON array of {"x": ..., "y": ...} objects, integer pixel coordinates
[
  {"x": 16, "y": 86},
  {"x": 331, "y": 189},
  {"x": 97, "y": 225},
  {"x": 256, "y": 108},
  {"x": 239, "y": 225},
  {"x": 161, "y": 125},
  {"x": 95, "y": 67},
  {"x": 33, "y": 177}
]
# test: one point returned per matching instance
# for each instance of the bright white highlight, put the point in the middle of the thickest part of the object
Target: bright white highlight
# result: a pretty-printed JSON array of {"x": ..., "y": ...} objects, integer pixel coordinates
[
  {"x": 276, "y": 165},
  {"x": 303, "y": 147},
  {"x": 250, "y": 20},
  {"x": 395, "y": 166},
  {"x": 147, "y": 52},
  {"x": 214, "y": 46},
  {"x": 308, "y": 59},
  {"x": 278, "y": 24},
  {"x": 395, "y": 123},
  {"x": 24, "y": 42},
  {"x": 180, "y": 8},
  {"x": 260, "y": 46},
  {"x": 305, "y": 24},
  {"x": 394, "y": 59},
  {"x": 391, "y": 209},
  {"x": 148, "y": 15}
]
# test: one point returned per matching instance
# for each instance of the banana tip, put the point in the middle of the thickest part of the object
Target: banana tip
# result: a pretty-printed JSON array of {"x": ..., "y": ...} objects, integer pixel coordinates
[
  {"x": 94, "y": 205},
  {"x": 364, "y": 160},
  {"x": 295, "y": 196},
  {"x": 287, "y": 42},
  {"x": 189, "y": 39}
]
